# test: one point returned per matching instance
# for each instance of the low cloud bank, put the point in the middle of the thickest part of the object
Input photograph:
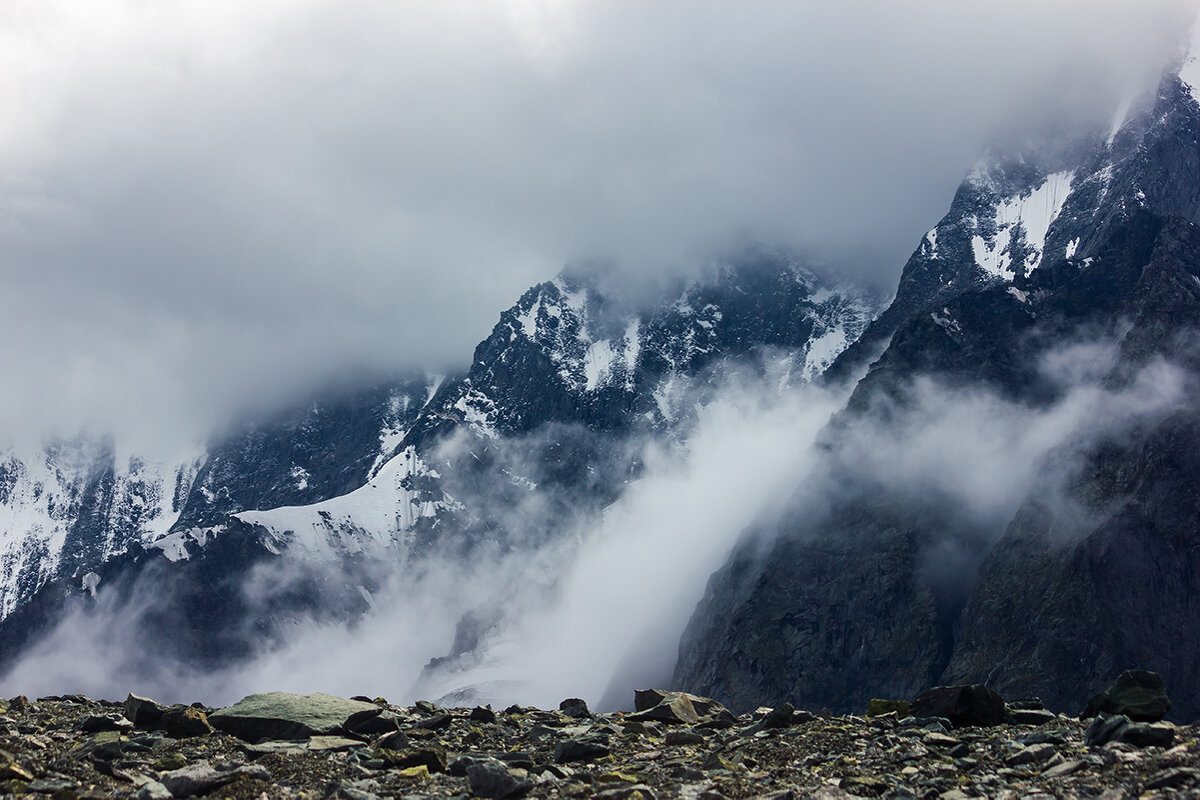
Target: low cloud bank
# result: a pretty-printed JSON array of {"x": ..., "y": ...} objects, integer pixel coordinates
[{"x": 595, "y": 608}]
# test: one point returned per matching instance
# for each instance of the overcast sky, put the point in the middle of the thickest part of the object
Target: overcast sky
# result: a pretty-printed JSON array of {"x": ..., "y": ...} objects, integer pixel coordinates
[{"x": 212, "y": 203}]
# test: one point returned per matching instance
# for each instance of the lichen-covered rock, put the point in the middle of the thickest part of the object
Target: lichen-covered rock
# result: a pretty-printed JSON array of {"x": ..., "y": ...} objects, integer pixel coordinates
[
  {"x": 184, "y": 722},
  {"x": 283, "y": 715}
]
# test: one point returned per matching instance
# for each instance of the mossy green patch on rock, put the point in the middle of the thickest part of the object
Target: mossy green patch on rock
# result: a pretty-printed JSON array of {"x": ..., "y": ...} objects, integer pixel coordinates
[{"x": 877, "y": 707}]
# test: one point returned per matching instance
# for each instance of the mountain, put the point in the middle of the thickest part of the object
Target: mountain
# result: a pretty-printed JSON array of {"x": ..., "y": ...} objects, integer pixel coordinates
[
  {"x": 1006, "y": 497},
  {"x": 353, "y": 485},
  {"x": 1051, "y": 263},
  {"x": 71, "y": 505}
]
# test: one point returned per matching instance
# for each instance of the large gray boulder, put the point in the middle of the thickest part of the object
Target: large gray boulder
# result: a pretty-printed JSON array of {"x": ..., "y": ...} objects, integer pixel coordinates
[{"x": 282, "y": 715}]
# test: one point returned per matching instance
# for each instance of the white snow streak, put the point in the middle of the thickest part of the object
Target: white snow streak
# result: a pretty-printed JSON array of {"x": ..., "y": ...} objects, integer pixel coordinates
[{"x": 1034, "y": 213}]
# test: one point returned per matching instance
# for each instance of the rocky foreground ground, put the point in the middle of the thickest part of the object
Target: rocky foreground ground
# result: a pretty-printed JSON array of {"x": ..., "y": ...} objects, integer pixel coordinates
[{"x": 318, "y": 746}]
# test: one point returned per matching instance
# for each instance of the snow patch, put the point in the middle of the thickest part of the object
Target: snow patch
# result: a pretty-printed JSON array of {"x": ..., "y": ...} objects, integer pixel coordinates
[
  {"x": 528, "y": 320},
  {"x": 174, "y": 546},
  {"x": 947, "y": 322},
  {"x": 43, "y": 501},
  {"x": 633, "y": 349},
  {"x": 931, "y": 240},
  {"x": 1190, "y": 72},
  {"x": 1118, "y": 120},
  {"x": 1033, "y": 214},
  {"x": 379, "y": 514},
  {"x": 300, "y": 476},
  {"x": 478, "y": 412},
  {"x": 822, "y": 350},
  {"x": 597, "y": 364}
]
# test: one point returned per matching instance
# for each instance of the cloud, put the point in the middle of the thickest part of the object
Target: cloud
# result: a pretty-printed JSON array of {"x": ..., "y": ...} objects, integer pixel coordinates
[
  {"x": 574, "y": 602},
  {"x": 205, "y": 204}
]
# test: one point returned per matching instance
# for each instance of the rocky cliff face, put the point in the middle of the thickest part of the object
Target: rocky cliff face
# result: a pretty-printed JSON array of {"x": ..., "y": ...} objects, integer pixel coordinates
[{"x": 1095, "y": 570}]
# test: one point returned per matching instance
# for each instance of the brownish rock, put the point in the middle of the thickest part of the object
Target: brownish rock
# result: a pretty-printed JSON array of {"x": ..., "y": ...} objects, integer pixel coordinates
[{"x": 184, "y": 722}]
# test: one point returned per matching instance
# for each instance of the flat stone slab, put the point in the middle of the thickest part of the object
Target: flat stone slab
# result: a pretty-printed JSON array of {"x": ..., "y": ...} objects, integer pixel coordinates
[{"x": 282, "y": 715}]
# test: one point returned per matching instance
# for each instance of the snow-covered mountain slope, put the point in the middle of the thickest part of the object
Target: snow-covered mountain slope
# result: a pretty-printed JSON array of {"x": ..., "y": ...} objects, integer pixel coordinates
[
  {"x": 567, "y": 355},
  {"x": 324, "y": 449},
  {"x": 377, "y": 517},
  {"x": 567, "y": 352},
  {"x": 72, "y": 505},
  {"x": 77, "y": 503},
  {"x": 355, "y": 471}
]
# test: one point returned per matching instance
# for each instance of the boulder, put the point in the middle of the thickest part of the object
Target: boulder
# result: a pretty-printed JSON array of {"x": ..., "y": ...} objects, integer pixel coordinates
[
  {"x": 972, "y": 704},
  {"x": 437, "y": 722},
  {"x": 203, "y": 777},
  {"x": 1107, "y": 728},
  {"x": 153, "y": 790},
  {"x": 779, "y": 717},
  {"x": 396, "y": 740},
  {"x": 105, "y": 746},
  {"x": 143, "y": 712},
  {"x": 1149, "y": 734},
  {"x": 483, "y": 714},
  {"x": 676, "y": 709},
  {"x": 1138, "y": 694},
  {"x": 683, "y": 738},
  {"x": 1033, "y": 754},
  {"x": 372, "y": 722},
  {"x": 432, "y": 757},
  {"x": 184, "y": 722},
  {"x": 580, "y": 750},
  {"x": 282, "y": 715},
  {"x": 105, "y": 722},
  {"x": 646, "y": 699},
  {"x": 575, "y": 708},
  {"x": 492, "y": 779}
]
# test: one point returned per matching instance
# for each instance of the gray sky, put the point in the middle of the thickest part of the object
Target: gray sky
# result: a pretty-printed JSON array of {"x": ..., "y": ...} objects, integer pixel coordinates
[{"x": 211, "y": 203}]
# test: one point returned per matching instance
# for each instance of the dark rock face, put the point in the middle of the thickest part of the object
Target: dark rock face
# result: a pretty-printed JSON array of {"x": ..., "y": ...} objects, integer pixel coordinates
[
  {"x": 1095, "y": 570},
  {"x": 803, "y": 630},
  {"x": 962, "y": 705}
]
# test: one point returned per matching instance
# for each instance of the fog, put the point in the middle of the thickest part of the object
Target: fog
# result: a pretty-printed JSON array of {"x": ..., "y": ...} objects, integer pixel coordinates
[
  {"x": 207, "y": 206},
  {"x": 597, "y": 610}
]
